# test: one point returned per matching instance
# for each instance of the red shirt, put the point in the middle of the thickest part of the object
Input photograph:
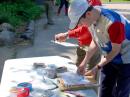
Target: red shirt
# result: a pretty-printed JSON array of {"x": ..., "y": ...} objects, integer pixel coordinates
[
  {"x": 82, "y": 34},
  {"x": 94, "y": 2},
  {"x": 117, "y": 32}
]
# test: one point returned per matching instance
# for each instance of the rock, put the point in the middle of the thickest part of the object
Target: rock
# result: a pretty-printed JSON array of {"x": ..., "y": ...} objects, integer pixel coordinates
[
  {"x": 7, "y": 37},
  {"x": 6, "y": 26},
  {"x": 28, "y": 35},
  {"x": 31, "y": 26},
  {"x": 21, "y": 28}
]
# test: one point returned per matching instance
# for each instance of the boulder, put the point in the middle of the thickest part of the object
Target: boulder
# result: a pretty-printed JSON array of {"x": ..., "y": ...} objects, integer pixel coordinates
[
  {"x": 6, "y": 26},
  {"x": 7, "y": 37}
]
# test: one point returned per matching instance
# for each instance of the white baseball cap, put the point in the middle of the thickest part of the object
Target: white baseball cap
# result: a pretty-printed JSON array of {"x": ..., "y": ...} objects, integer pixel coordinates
[{"x": 76, "y": 9}]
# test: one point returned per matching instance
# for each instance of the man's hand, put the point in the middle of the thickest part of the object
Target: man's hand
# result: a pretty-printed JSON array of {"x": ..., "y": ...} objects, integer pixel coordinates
[
  {"x": 81, "y": 69},
  {"x": 61, "y": 37},
  {"x": 92, "y": 72}
]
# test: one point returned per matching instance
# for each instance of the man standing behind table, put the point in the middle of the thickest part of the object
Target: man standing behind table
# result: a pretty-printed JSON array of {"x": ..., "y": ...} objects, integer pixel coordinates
[
  {"x": 110, "y": 32},
  {"x": 82, "y": 34}
]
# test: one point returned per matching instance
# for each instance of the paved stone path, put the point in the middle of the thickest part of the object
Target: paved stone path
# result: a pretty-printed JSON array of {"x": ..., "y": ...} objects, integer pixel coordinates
[{"x": 42, "y": 42}]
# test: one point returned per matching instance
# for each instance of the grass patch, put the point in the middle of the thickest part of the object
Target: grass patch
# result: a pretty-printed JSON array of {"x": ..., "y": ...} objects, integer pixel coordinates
[{"x": 18, "y": 13}]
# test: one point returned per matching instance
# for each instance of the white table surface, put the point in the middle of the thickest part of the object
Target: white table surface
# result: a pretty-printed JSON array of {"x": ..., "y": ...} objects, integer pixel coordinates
[{"x": 21, "y": 70}]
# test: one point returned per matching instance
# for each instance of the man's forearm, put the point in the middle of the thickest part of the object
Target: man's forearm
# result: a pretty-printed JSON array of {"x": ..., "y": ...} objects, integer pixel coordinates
[
  {"x": 106, "y": 59},
  {"x": 91, "y": 51}
]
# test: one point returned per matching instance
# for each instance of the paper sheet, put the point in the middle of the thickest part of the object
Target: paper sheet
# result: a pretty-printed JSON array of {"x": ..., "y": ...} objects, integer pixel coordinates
[
  {"x": 67, "y": 44},
  {"x": 72, "y": 78}
]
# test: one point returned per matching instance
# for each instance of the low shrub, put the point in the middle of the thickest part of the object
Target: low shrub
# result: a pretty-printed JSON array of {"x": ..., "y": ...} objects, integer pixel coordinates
[{"x": 16, "y": 13}]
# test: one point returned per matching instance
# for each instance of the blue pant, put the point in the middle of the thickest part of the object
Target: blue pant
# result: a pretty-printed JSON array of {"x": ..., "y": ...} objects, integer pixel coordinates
[{"x": 115, "y": 80}]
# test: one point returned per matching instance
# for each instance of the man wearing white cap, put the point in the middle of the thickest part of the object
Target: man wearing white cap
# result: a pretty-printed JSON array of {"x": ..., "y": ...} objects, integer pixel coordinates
[{"x": 111, "y": 34}]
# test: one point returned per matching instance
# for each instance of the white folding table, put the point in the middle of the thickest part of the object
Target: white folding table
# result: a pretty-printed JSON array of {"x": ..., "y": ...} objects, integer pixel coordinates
[{"x": 21, "y": 70}]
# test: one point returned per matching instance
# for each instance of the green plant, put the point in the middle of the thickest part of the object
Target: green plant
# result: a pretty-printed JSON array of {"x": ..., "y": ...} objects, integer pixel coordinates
[{"x": 16, "y": 13}]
